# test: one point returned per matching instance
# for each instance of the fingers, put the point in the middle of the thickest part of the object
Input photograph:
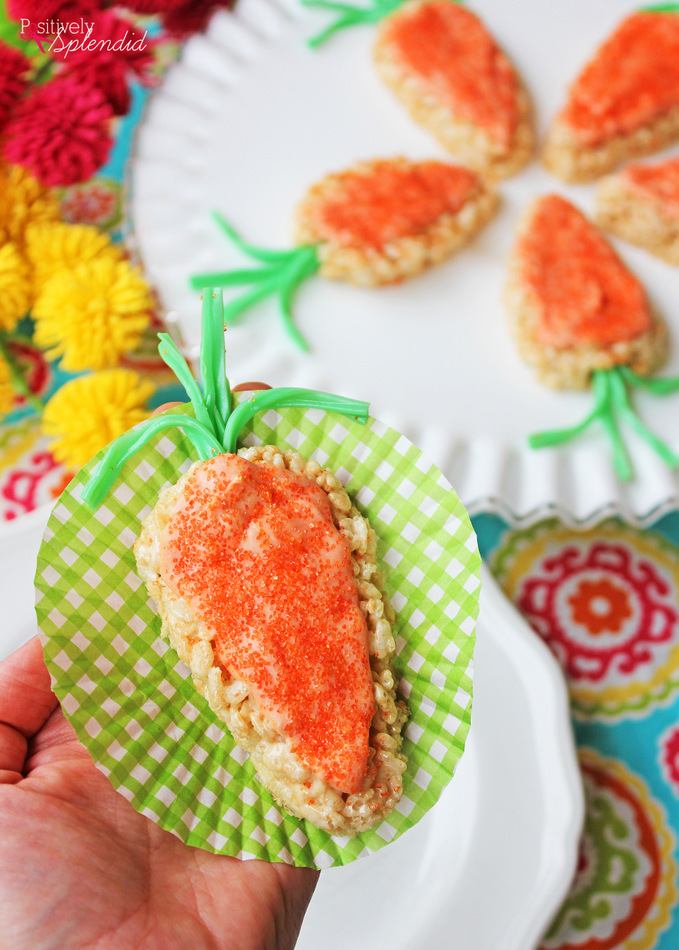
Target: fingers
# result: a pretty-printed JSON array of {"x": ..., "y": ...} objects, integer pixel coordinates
[
  {"x": 165, "y": 406},
  {"x": 249, "y": 387},
  {"x": 13, "y": 747},
  {"x": 26, "y": 702},
  {"x": 299, "y": 885}
]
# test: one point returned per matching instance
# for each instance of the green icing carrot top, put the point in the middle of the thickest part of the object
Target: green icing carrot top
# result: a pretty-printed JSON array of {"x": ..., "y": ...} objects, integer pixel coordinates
[
  {"x": 353, "y": 225},
  {"x": 216, "y": 423},
  {"x": 581, "y": 318}
]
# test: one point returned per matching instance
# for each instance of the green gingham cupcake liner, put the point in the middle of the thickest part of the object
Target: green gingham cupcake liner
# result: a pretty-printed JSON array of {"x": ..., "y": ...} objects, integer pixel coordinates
[{"x": 132, "y": 702}]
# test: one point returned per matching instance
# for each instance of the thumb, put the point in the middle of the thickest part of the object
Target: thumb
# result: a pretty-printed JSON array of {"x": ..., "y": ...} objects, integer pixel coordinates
[{"x": 26, "y": 702}]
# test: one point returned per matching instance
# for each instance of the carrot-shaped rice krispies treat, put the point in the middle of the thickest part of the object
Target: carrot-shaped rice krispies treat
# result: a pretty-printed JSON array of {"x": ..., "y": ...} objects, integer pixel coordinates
[
  {"x": 378, "y": 222},
  {"x": 581, "y": 318},
  {"x": 640, "y": 204},
  {"x": 452, "y": 77},
  {"x": 265, "y": 577},
  {"x": 625, "y": 102}
]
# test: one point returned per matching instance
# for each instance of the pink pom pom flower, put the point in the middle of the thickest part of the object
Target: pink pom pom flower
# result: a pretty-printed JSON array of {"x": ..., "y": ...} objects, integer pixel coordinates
[
  {"x": 44, "y": 11},
  {"x": 13, "y": 69},
  {"x": 60, "y": 132},
  {"x": 192, "y": 16},
  {"x": 153, "y": 6},
  {"x": 115, "y": 52}
]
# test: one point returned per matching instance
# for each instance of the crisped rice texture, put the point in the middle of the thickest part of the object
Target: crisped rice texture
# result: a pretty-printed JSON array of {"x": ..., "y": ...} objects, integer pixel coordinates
[
  {"x": 401, "y": 258},
  {"x": 470, "y": 143},
  {"x": 572, "y": 368},
  {"x": 571, "y": 161},
  {"x": 637, "y": 218},
  {"x": 293, "y": 785}
]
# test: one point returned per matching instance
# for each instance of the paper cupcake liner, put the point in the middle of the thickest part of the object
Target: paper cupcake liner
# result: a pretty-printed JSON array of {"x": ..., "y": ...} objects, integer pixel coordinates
[{"x": 132, "y": 701}]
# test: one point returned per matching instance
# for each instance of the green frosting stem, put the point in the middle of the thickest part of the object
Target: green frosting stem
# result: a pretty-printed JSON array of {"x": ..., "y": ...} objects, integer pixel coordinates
[
  {"x": 125, "y": 446},
  {"x": 264, "y": 254},
  {"x": 621, "y": 460},
  {"x": 234, "y": 278},
  {"x": 541, "y": 440},
  {"x": 213, "y": 361},
  {"x": 611, "y": 401},
  {"x": 173, "y": 358},
  {"x": 305, "y": 265},
  {"x": 349, "y": 15},
  {"x": 217, "y": 425},
  {"x": 290, "y": 396},
  {"x": 659, "y": 387},
  {"x": 625, "y": 409},
  {"x": 281, "y": 275},
  {"x": 661, "y": 8}
]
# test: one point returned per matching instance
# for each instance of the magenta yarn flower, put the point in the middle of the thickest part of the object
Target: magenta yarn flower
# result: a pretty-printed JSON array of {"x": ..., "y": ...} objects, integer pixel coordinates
[
  {"x": 42, "y": 11},
  {"x": 13, "y": 68},
  {"x": 192, "y": 16},
  {"x": 153, "y": 6},
  {"x": 120, "y": 52},
  {"x": 60, "y": 132}
]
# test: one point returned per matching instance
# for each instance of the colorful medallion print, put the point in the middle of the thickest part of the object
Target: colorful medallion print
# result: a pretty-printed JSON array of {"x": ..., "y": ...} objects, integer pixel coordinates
[
  {"x": 606, "y": 602},
  {"x": 29, "y": 475},
  {"x": 625, "y": 885},
  {"x": 98, "y": 201},
  {"x": 669, "y": 757}
]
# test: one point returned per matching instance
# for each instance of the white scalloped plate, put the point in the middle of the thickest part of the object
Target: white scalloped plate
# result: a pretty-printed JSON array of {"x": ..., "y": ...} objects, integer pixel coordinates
[{"x": 250, "y": 117}]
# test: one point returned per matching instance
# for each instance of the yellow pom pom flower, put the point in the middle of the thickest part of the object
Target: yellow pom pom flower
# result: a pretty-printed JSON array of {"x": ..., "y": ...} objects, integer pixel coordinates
[
  {"x": 92, "y": 314},
  {"x": 23, "y": 200},
  {"x": 15, "y": 287},
  {"x": 6, "y": 388},
  {"x": 89, "y": 412},
  {"x": 52, "y": 247}
]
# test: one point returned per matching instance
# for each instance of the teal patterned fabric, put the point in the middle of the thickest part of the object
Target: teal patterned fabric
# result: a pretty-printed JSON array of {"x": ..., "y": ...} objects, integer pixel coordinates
[{"x": 606, "y": 602}]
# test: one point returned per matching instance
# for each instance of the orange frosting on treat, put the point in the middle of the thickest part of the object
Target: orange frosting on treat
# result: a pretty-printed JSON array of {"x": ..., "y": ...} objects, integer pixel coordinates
[
  {"x": 660, "y": 182},
  {"x": 459, "y": 62},
  {"x": 632, "y": 80},
  {"x": 584, "y": 293},
  {"x": 393, "y": 200},
  {"x": 255, "y": 552}
]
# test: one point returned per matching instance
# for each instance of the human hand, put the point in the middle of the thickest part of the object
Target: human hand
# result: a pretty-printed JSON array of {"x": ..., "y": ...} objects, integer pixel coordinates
[{"x": 80, "y": 868}]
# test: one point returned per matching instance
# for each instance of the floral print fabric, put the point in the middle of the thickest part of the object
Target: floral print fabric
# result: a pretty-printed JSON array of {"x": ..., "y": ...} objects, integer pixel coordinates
[{"x": 606, "y": 602}]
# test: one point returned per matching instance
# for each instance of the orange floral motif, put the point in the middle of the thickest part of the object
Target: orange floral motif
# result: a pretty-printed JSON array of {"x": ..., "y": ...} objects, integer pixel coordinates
[{"x": 600, "y": 606}]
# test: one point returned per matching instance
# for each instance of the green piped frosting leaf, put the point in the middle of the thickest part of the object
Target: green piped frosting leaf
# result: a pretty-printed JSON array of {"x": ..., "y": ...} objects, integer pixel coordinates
[
  {"x": 281, "y": 274},
  {"x": 215, "y": 426},
  {"x": 612, "y": 402}
]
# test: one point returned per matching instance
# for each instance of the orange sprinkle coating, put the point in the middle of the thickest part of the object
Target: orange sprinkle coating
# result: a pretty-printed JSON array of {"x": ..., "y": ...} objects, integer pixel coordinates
[
  {"x": 254, "y": 550},
  {"x": 632, "y": 80},
  {"x": 584, "y": 292},
  {"x": 454, "y": 56},
  {"x": 659, "y": 181},
  {"x": 393, "y": 200}
]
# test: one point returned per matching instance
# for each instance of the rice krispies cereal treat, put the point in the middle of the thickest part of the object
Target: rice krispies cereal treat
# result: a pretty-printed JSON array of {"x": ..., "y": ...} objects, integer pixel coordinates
[
  {"x": 581, "y": 318},
  {"x": 625, "y": 102},
  {"x": 383, "y": 221},
  {"x": 452, "y": 77},
  {"x": 279, "y": 612},
  {"x": 574, "y": 307},
  {"x": 377, "y": 222},
  {"x": 641, "y": 205},
  {"x": 266, "y": 581}
]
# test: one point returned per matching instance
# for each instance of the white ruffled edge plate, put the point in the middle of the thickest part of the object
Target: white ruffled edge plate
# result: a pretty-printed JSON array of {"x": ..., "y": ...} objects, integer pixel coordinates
[{"x": 250, "y": 116}]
